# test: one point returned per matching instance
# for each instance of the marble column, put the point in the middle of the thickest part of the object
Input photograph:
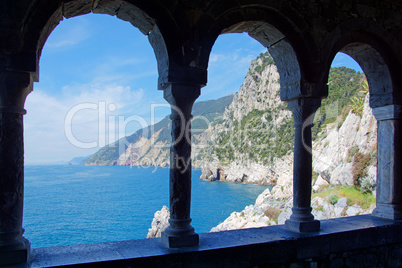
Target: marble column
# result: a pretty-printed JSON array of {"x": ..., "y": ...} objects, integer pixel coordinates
[
  {"x": 301, "y": 219},
  {"x": 180, "y": 233},
  {"x": 14, "y": 87},
  {"x": 389, "y": 157}
]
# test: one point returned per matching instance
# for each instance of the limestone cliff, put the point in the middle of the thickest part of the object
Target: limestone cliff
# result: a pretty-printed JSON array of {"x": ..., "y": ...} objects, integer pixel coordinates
[
  {"x": 159, "y": 223},
  {"x": 337, "y": 160},
  {"x": 336, "y": 148},
  {"x": 255, "y": 131}
]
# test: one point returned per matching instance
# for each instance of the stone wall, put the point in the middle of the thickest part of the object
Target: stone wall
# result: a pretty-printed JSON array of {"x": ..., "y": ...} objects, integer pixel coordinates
[{"x": 360, "y": 241}]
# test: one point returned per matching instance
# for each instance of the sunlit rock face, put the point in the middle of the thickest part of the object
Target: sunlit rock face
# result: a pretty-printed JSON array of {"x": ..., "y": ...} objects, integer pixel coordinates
[{"x": 159, "y": 223}]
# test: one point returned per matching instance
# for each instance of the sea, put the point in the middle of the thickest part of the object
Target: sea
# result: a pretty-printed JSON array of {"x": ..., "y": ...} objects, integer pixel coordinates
[{"x": 76, "y": 204}]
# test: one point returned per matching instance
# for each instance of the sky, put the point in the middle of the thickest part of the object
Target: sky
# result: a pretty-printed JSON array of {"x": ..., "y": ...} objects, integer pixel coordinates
[{"x": 98, "y": 83}]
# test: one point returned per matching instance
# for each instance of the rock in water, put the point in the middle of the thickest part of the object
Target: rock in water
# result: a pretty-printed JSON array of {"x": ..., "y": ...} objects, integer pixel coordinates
[{"x": 159, "y": 223}]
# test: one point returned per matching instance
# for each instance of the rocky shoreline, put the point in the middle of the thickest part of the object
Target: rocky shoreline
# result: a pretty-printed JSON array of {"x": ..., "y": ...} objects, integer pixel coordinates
[
  {"x": 275, "y": 207},
  {"x": 271, "y": 208},
  {"x": 251, "y": 174}
]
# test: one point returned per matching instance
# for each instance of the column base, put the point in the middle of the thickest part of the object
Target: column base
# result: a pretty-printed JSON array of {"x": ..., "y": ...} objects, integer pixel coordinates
[
  {"x": 388, "y": 211},
  {"x": 303, "y": 226},
  {"x": 179, "y": 234},
  {"x": 171, "y": 241},
  {"x": 17, "y": 253}
]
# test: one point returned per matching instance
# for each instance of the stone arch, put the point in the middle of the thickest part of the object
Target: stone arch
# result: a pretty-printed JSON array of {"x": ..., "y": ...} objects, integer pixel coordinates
[
  {"x": 290, "y": 49},
  {"x": 378, "y": 54},
  {"x": 376, "y": 58},
  {"x": 41, "y": 21}
]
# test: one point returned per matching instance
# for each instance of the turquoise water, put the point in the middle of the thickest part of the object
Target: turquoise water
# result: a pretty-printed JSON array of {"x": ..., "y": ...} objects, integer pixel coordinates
[{"x": 67, "y": 205}]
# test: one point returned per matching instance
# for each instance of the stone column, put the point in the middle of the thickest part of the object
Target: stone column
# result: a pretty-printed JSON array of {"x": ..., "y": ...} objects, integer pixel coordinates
[
  {"x": 301, "y": 219},
  {"x": 14, "y": 87},
  {"x": 180, "y": 233},
  {"x": 389, "y": 157}
]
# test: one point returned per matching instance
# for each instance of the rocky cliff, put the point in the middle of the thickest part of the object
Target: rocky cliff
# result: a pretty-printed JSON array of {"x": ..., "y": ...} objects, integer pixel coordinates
[
  {"x": 159, "y": 223},
  {"x": 344, "y": 153},
  {"x": 256, "y": 132}
]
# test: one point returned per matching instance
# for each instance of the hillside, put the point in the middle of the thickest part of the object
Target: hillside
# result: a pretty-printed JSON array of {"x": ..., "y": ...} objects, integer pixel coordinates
[
  {"x": 140, "y": 149},
  {"x": 256, "y": 126},
  {"x": 256, "y": 133}
]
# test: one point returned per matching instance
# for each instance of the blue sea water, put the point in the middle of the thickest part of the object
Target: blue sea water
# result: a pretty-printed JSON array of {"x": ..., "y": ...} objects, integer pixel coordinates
[{"x": 67, "y": 205}]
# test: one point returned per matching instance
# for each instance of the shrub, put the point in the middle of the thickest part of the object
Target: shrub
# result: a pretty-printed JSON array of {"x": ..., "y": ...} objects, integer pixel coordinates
[
  {"x": 353, "y": 195},
  {"x": 367, "y": 184},
  {"x": 352, "y": 152},
  {"x": 333, "y": 199},
  {"x": 357, "y": 105},
  {"x": 273, "y": 213},
  {"x": 360, "y": 162}
]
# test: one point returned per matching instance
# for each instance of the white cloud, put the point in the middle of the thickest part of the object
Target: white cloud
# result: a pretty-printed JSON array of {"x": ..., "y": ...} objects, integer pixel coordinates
[
  {"x": 70, "y": 36},
  {"x": 93, "y": 112},
  {"x": 226, "y": 72},
  {"x": 214, "y": 57}
]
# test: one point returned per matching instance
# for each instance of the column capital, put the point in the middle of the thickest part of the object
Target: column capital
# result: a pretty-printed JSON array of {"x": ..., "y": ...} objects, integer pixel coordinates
[
  {"x": 389, "y": 112},
  {"x": 181, "y": 97},
  {"x": 12, "y": 109},
  {"x": 175, "y": 92},
  {"x": 303, "y": 108},
  {"x": 14, "y": 88}
]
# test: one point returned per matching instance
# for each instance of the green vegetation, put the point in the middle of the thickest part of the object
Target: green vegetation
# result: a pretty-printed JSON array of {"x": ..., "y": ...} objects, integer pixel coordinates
[
  {"x": 357, "y": 105},
  {"x": 351, "y": 153},
  {"x": 353, "y": 195},
  {"x": 344, "y": 85},
  {"x": 333, "y": 199},
  {"x": 205, "y": 108},
  {"x": 266, "y": 60},
  {"x": 256, "y": 137}
]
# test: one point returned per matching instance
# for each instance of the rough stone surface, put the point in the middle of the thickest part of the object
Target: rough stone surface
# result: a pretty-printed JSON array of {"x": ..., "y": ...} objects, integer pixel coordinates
[
  {"x": 262, "y": 247},
  {"x": 331, "y": 152},
  {"x": 159, "y": 223},
  {"x": 389, "y": 201}
]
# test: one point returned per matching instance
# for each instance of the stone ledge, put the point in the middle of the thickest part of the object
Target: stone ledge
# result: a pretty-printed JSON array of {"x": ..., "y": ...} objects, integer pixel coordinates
[{"x": 238, "y": 248}]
